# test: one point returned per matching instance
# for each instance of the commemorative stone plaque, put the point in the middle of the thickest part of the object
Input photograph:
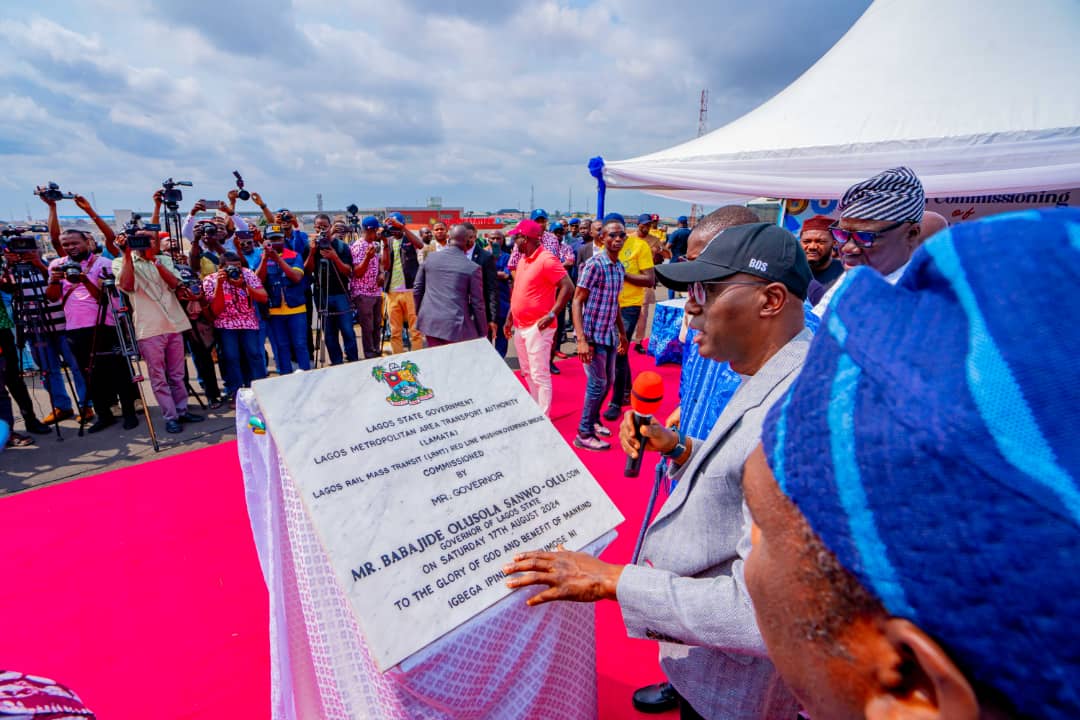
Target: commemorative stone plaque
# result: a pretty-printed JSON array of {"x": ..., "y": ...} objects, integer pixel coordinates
[{"x": 423, "y": 474}]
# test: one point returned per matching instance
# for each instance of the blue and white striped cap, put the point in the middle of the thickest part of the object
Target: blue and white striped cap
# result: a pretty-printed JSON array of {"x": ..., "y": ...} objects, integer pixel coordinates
[
  {"x": 894, "y": 195},
  {"x": 931, "y": 443}
]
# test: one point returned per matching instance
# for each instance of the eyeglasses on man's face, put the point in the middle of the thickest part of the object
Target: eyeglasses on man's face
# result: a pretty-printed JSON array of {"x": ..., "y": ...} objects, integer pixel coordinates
[
  {"x": 863, "y": 238},
  {"x": 699, "y": 290}
]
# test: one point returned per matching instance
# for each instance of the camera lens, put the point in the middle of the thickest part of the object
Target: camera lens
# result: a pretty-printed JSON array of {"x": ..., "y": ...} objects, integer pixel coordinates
[{"x": 244, "y": 195}]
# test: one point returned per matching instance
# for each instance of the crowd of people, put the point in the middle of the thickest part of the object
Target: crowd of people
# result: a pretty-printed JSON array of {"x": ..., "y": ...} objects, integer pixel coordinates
[{"x": 243, "y": 298}]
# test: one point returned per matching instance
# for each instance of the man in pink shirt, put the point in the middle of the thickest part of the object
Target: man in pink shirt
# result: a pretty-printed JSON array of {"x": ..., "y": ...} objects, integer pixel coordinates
[
  {"x": 541, "y": 291},
  {"x": 79, "y": 289}
]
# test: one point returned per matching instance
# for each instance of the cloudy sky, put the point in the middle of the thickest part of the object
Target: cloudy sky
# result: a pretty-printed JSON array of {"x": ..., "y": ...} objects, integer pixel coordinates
[{"x": 382, "y": 102}]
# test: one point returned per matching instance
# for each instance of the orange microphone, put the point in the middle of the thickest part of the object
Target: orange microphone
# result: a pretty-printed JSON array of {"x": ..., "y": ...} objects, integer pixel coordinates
[{"x": 645, "y": 397}]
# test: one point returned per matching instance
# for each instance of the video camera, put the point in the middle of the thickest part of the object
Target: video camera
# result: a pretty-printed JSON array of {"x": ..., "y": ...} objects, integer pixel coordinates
[
  {"x": 51, "y": 191},
  {"x": 172, "y": 195},
  {"x": 140, "y": 236},
  {"x": 352, "y": 213},
  {"x": 243, "y": 194},
  {"x": 16, "y": 238}
]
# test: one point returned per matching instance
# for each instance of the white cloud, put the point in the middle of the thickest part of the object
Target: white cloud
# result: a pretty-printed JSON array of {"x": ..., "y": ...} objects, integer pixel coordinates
[{"x": 377, "y": 102}]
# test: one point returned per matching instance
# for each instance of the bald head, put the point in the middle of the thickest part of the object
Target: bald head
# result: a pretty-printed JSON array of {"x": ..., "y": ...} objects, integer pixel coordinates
[
  {"x": 931, "y": 224},
  {"x": 459, "y": 236},
  {"x": 715, "y": 223}
]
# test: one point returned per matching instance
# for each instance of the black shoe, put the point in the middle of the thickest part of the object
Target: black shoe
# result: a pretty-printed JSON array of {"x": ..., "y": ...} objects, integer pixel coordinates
[
  {"x": 173, "y": 426},
  {"x": 613, "y": 412},
  {"x": 640, "y": 348},
  {"x": 555, "y": 370},
  {"x": 131, "y": 421},
  {"x": 190, "y": 417},
  {"x": 35, "y": 426},
  {"x": 103, "y": 421},
  {"x": 656, "y": 698}
]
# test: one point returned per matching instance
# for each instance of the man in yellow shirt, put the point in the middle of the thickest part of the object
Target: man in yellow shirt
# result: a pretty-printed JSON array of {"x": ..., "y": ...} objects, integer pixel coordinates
[{"x": 637, "y": 258}]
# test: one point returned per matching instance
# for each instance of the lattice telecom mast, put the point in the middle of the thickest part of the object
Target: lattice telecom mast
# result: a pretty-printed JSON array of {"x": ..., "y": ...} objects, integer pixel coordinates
[{"x": 702, "y": 126}]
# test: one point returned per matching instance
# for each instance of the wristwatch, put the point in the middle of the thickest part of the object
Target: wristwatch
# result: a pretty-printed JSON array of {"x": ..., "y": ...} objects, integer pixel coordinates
[{"x": 680, "y": 448}]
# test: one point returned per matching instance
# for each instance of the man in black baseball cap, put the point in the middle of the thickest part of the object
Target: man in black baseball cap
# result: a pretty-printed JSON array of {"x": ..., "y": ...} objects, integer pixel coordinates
[{"x": 687, "y": 589}]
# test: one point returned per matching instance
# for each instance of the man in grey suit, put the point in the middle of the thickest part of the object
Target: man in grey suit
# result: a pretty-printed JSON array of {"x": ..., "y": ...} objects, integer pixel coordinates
[
  {"x": 745, "y": 299},
  {"x": 449, "y": 294}
]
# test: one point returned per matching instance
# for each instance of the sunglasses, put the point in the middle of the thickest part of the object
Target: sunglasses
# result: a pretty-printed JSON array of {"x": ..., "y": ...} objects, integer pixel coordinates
[
  {"x": 862, "y": 238},
  {"x": 698, "y": 291}
]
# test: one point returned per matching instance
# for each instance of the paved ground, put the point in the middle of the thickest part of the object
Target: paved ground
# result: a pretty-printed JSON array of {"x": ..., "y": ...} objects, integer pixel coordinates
[{"x": 50, "y": 461}]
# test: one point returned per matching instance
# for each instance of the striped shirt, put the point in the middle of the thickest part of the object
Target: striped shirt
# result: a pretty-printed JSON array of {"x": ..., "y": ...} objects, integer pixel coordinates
[
  {"x": 26, "y": 305},
  {"x": 603, "y": 278}
]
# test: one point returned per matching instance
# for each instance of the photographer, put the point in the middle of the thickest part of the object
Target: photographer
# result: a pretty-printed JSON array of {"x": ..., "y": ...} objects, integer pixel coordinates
[
  {"x": 42, "y": 323},
  {"x": 207, "y": 247},
  {"x": 201, "y": 339},
  {"x": 13, "y": 379},
  {"x": 215, "y": 234},
  {"x": 75, "y": 281},
  {"x": 364, "y": 286},
  {"x": 329, "y": 266},
  {"x": 281, "y": 271},
  {"x": 400, "y": 264},
  {"x": 233, "y": 291},
  {"x": 295, "y": 238},
  {"x": 150, "y": 280}
]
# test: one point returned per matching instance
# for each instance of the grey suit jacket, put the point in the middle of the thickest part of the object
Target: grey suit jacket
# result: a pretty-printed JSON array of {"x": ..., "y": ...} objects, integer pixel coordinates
[
  {"x": 688, "y": 590},
  {"x": 584, "y": 253},
  {"x": 449, "y": 295}
]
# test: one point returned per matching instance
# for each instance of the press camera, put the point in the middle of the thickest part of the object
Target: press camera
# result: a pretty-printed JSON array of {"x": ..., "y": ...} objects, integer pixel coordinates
[{"x": 52, "y": 192}]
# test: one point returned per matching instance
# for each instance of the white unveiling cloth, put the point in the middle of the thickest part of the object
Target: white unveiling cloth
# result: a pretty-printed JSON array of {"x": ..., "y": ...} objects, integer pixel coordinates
[{"x": 511, "y": 661}]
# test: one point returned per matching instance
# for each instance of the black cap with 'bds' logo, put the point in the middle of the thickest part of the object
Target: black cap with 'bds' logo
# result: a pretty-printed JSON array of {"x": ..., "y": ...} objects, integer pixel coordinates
[{"x": 761, "y": 249}]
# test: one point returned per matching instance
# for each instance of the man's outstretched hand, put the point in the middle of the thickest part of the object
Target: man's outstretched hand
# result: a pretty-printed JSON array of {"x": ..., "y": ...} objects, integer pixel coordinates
[{"x": 573, "y": 576}]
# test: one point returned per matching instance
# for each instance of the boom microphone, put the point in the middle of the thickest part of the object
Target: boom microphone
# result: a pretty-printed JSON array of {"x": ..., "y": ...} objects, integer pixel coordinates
[{"x": 645, "y": 397}]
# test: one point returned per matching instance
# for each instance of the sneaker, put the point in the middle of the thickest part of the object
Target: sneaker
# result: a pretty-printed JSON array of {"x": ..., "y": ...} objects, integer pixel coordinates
[
  {"x": 187, "y": 417},
  {"x": 131, "y": 422},
  {"x": 57, "y": 415},
  {"x": 19, "y": 440},
  {"x": 86, "y": 416},
  {"x": 103, "y": 422},
  {"x": 601, "y": 430},
  {"x": 173, "y": 426},
  {"x": 35, "y": 426},
  {"x": 591, "y": 443},
  {"x": 613, "y": 412},
  {"x": 216, "y": 403},
  {"x": 640, "y": 348}
]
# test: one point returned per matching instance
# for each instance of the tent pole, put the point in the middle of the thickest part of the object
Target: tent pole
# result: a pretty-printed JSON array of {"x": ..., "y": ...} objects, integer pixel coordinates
[{"x": 596, "y": 169}]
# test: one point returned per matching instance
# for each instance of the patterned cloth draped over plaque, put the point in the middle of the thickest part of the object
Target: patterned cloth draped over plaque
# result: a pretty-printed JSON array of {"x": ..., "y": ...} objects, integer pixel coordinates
[{"x": 511, "y": 661}]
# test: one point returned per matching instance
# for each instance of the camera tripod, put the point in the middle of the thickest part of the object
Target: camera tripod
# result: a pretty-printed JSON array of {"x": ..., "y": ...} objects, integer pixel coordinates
[
  {"x": 33, "y": 311},
  {"x": 172, "y": 224},
  {"x": 321, "y": 301},
  {"x": 114, "y": 304}
]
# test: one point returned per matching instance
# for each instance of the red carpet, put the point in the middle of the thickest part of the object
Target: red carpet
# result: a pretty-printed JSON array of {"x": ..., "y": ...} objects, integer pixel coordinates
[{"x": 140, "y": 589}]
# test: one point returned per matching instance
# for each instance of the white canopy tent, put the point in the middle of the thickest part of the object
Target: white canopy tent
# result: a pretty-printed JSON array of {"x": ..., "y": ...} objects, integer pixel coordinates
[{"x": 976, "y": 96}]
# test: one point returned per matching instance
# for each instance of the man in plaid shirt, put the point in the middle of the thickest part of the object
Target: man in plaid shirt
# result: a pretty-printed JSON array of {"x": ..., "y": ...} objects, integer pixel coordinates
[{"x": 599, "y": 329}]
